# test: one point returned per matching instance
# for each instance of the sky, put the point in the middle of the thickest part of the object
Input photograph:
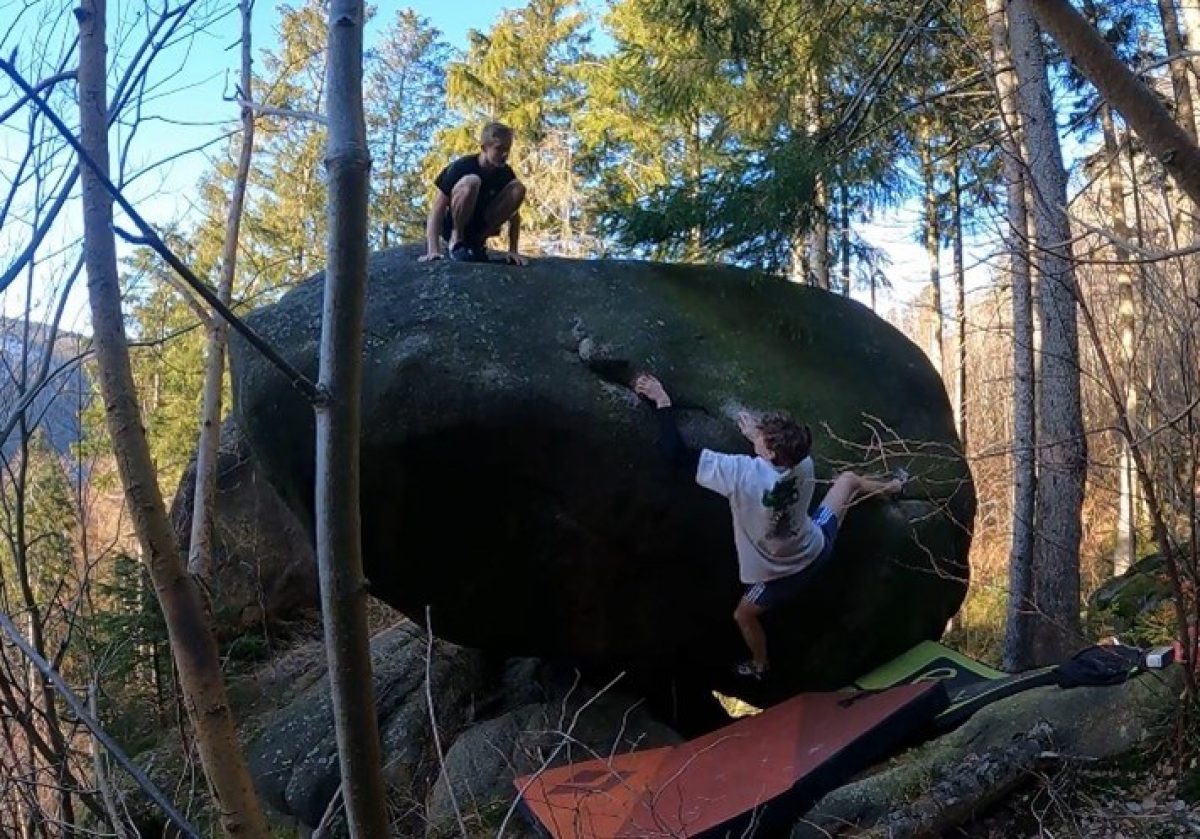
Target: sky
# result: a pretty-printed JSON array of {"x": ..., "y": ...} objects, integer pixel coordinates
[{"x": 188, "y": 112}]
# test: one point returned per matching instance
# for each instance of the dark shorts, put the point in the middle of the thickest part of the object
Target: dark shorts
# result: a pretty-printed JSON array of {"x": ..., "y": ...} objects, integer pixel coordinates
[
  {"x": 475, "y": 232},
  {"x": 474, "y": 227},
  {"x": 772, "y": 593}
]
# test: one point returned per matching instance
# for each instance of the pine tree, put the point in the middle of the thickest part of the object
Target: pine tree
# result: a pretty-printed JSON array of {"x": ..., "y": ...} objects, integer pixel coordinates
[
  {"x": 284, "y": 229},
  {"x": 405, "y": 93}
]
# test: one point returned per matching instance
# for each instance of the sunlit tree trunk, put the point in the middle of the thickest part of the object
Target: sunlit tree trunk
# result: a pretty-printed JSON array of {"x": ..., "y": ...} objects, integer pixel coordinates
[
  {"x": 1061, "y": 452},
  {"x": 1189, "y": 13},
  {"x": 1184, "y": 108},
  {"x": 960, "y": 307},
  {"x": 844, "y": 231},
  {"x": 200, "y": 545},
  {"x": 931, "y": 232},
  {"x": 339, "y": 540},
  {"x": 1181, "y": 86},
  {"x": 818, "y": 237},
  {"x": 191, "y": 636},
  {"x": 1125, "y": 551},
  {"x": 1018, "y": 627}
]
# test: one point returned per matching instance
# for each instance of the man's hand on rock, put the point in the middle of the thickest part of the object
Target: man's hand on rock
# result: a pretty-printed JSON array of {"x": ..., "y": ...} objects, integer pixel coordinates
[
  {"x": 747, "y": 423},
  {"x": 648, "y": 385}
]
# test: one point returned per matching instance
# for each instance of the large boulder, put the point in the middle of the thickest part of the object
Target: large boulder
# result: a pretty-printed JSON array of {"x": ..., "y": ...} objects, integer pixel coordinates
[{"x": 510, "y": 479}]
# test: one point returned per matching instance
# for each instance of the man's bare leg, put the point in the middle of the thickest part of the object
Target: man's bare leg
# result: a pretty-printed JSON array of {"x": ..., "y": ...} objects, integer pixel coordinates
[
  {"x": 501, "y": 208},
  {"x": 747, "y": 615},
  {"x": 849, "y": 487},
  {"x": 463, "y": 198}
]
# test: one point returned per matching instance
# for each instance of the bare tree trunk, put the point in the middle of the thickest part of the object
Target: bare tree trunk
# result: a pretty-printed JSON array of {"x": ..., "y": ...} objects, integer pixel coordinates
[
  {"x": 1061, "y": 464},
  {"x": 1125, "y": 551},
  {"x": 1180, "y": 84},
  {"x": 339, "y": 542},
  {"x": 200, "y": 547},
  {"x": 1184, "y": 107},
  {"x": 960, "y": 309},
  {"x": 844, "y": 231},
  {"x": 1018, "y": 629},
  {"x": 100, "y": 770},
  {"x": 1190, "y": 14},
  {"x": 817, "y": 267},
  {"x": 390, "y": 186},
  {"x": 818, "y": 237},
  {"x": 932, "y": 234},
  {"x": 1124, "y": 91},
  {"x": 38, "y": 689},
  {"x": 191, "y": 636},
  {"x": 798, "y": 271}
]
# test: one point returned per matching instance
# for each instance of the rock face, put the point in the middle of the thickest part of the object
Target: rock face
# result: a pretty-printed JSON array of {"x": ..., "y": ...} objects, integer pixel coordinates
[
  {"x": 572, "y": 724},
  {"x": 294, "y": 756},
  {"x": 510, "y": 479},
  {"x": 264, "y": 570}
]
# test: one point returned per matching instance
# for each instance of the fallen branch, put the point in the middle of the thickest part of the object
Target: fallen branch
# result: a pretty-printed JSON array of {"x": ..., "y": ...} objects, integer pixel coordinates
[
  {"x": 946, "y": 780},
  {"x": 972, "y": 786}
]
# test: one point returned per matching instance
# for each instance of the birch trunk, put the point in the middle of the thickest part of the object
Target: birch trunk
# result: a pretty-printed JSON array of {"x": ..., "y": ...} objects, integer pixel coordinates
[
  {"x": 339, "y": 542},
  {"x": 1018, "y": 628},
  {"x": 200, "y": 546},
  {"x": 1061, "y": 455},
  {"x": 191, "y": 636}
]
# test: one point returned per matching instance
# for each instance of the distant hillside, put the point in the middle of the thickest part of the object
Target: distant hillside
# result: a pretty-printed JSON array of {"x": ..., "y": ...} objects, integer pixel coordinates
[{"x": 57, "y": 408}]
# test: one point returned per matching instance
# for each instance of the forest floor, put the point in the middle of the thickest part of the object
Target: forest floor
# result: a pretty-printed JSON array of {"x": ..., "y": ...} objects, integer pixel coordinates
[{"x": 1151, "y": 796}]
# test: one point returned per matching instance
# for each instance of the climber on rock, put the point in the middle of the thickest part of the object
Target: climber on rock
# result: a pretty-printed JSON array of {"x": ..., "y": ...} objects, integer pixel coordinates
[
  {"x": 779, "y": 546},
  {"x": 476, "y": 196}
]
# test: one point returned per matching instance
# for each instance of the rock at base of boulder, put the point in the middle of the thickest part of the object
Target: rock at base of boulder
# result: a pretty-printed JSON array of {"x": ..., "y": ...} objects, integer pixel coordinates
[
  {"x": 294, "y": 757},
  {"x": 476, "y": 794},
  {"x": 1085, "y": 722},
  {"x": 264, "y": 570}
]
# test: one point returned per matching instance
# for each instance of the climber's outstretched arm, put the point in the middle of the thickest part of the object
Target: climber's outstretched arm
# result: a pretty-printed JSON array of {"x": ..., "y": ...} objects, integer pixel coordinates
[{"x": 670, "y": 441}]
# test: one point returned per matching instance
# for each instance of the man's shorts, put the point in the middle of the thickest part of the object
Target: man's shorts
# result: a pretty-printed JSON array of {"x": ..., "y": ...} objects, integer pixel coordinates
[
  {"x": 772, "y": 593},
  {"x": 474, "y": 227}
]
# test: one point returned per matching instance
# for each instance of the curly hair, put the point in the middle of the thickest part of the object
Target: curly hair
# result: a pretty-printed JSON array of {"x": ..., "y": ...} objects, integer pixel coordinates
[{"x": 788, "y": 440}]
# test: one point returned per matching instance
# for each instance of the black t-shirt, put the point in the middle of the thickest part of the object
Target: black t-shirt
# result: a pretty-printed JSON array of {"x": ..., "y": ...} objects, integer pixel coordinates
[{"x": 493, "y": 180}]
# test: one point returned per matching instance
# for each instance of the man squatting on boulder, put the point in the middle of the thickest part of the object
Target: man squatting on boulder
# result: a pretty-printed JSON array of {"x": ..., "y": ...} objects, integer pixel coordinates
[
  {"x": 779, "y": 547},
  {"x": 476, "y": 195}
]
